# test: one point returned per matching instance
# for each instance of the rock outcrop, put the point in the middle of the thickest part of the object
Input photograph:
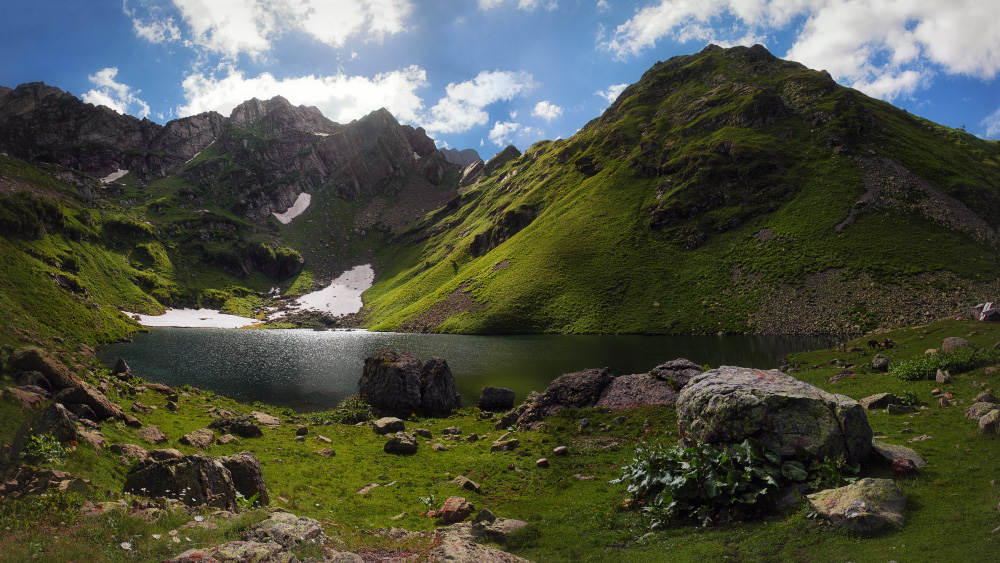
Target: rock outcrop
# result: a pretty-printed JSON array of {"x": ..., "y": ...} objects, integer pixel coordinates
[
  {"x": 729, "y": 404},
  {"x": 579, "y": 389},
  {"x": 195, "y": 480},
  {"x": 397, "y": 384}
]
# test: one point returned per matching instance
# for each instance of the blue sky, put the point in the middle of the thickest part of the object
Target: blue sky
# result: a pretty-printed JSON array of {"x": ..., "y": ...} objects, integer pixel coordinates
[{"x": 486, "y": 73}]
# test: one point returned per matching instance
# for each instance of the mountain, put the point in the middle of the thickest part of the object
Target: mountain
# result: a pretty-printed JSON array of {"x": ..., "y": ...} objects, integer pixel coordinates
[{"x": 725, "y": 191}]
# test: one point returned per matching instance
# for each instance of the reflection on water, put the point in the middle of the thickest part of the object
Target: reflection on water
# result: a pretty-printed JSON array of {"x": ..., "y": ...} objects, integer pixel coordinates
[{"x": 312, "y": 370}]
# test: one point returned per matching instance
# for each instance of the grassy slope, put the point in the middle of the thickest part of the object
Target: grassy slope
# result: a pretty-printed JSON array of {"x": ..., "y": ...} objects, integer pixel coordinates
[
  {"x": 570, "y": 519},
  {"x": 590, "y": 261}
]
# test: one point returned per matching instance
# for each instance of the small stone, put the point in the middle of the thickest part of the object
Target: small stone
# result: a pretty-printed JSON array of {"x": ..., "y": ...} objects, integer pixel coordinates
[
  {"x": 439, "y": 448},
  {"x": 301, "y": 430},
  {"x": 560, "y": 451},
  {"x": 388, "y": 425},
  {"x": 401, "y": 443},
  {"x": 584, "y": 422},
  {"x": 423, "y": 433},
  {"x": 986, "y": 397},
  {"x": 472, "y": 437},
  {"x": 300, "y": 438},
  {"x": 200, "y": 438},
  {"x": 943, "y": 377},
  {"x": 991, "y": 370},
  {"x": 466, "y": 483},
  {"x": 902, "y": 467},
  {"x": 368, "y": 489},
  {"x": 324, "y": 439},
  {"x": 504, "y": 445},
  {"x": 227, "y": 439},
  {"x": 899, "y": 409},
  {"x": 172, "y": 406},
  {"x": 455, "y": 509},
  {"x": 452, "y": 430},
  {"x": 327, "y": 452},
  {"x": 543, "y": 463}
]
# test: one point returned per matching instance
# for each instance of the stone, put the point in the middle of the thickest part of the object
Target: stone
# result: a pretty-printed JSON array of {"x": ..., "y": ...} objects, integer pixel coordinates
[
  {"x": 247, "y": 475},
  {"x": 455, "y": 509},
  {"x": 677, "y": 372},
  {"x": 265, "y": 419},
  {"x": 880, "y": 363},
  {"x": 943, "y": 377},
  {"x": 53, "y": 419},
  {"x": 390, "y": 383},
  {"x": 986, "y": 397},
  {"x": 131, "y": 451},
  {"x": 152, "y": 434},
  {"x": 953, "y": 343},
  {"x": 496, "y": 399},
  {"x": 31, "y": 358},
  {"x": 388, "y": 425},
  {"x": 560, "y": 451},
  {"x": 977, "y": 410},
  {"x": 26, "y": 399},
  {"x": 880, "y": 401},
  {"x": 627, "y": 391},
  {"x": 326, "y": 452},
  {"x": 172, "y": 406},
  {"x": 121, "y": 368},
  {"x": 166, "y": 454},
  {"x": 83, "y": 412},
  {"x": 990, "y": 370},
  {"x": 472, "y": 437},
  {"x": 287, "y": 529},
  {"x": 158, "y": 387},
  {"x": 244, "y": 426},
  {"x": 94, "y": 438},
  {"x": 301, "y": 430},
  {"x": 543, "y": 462},
  {"x": 892, "y": 452},
  {"x": 439, "y": 448},
  {"x": 131, "y": 421},
  {"x": 141, "y": 408},
  {"x": 438, "y": 392},
  {"x": 452, "y": 431},
  {"x": 200, "y": 438},
  {"x": 729, "y": 404},
  {"x": 466, "y": 483},
  {"x": 989, "y": 423},
  {"x": 86, "y": 394},
  {"x": 903, "y": 467},
  {"x": 195, "y": 480},
  {"x": 401, "y": 443},
  {"x": 504, "y": 445},
  {"x": 423, "y": 433},
  {"x": 580, "y": 389},
  {"x": 269, "y": 552},
  {"x": 899, "y": 409},
  {"x": 866, "y": 506},
  {"x": 34, "y": 378},
  {"x": 323, "y": 439},
  {"x": 226, "y": 439}
]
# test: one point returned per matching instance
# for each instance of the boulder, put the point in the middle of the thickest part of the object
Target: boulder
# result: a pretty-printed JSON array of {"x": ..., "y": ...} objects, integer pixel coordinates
[
  {"x": 121, "y": 370},
  {"x": 263, "y": 552},
  {"x": 466, "y": 483},
  {"x": 866, "y": 506},
  {"x": 194, "y": 480},
  {"x": 729, "y": 404},
  {"x": 953, "y": 343},
  {"x": 265, "y": 419},
  {"x": 504, "y": 445},
  {"x": 986, "y": 397},
  {"x": 27, "y": 399},
  {"x": 496, "y": 399},
  {"x": 152, "y": 434},
  {"x": 989, "y": 423},
  {"x": 390, "y": 383},
  {"x": 130, "y": 451},
  {"x": 200, "y": 438},
  {"x": 401, "y": 443},
  {"x": 388, "y": 425},
  {"x": 580, "y": 389},
  {"x": 455, "y": 509},
  {"x": 892, "y": 452},
  {"x": 628, "y": 391},
  {"x": 677, "y": 372},
  {"x": 244, "y": 426},
  {"x": 247, "y": 475},
  {"x": 438, "y": 392},
  {"x": 30, "y": 358},
  {"x": 880, "y": 401},
  {"x": 86, "y": 394},
  {"x": 943, "y": 377},
  {"x": 977, "y": 410},
  {"x": 34, "y": 378},
  {"x": 880, "y": 362},
  {"x": 53, "y": 419},
  {"x": 165, "y": 454},
  {"x": 287, "y": 529}
]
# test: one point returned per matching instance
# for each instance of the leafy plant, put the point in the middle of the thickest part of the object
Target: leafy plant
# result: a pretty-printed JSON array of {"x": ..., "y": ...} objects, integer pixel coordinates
[
  {"x": 925, "y": 367},
  {"x": 42, "y": 448},
  {"x": 246, "y": 503},
  {"x": 428, "y": 500},
  {"x": 351, "y": 410},
  {"x": 910, "y": 398},
  {"x": 712, "y": 484}
]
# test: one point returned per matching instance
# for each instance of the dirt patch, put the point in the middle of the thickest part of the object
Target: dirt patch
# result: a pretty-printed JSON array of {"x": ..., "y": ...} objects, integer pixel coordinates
[
  {"x": 501, "y": 265},
  {"x": 458, "y": 301}
]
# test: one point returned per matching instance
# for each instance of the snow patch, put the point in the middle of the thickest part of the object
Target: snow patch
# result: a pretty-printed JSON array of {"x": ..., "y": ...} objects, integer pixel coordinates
[
  {"x": 194, "y": 318},
  {"x": 201, "y": 151},
  {"x": 297, "y": 208},
  {"x": 343, "y": 295},
  {"x": 321, "y": 134},
  {"x": 113, "y": 176}
]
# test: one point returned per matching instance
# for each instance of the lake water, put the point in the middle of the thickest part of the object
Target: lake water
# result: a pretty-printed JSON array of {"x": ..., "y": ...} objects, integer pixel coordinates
[{"x": 313, "y": 370}]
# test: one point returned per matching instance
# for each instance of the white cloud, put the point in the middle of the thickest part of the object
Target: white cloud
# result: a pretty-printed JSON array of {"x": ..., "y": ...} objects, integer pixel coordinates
[
  {"x": 114, "y": 95},
  {"x": 602, "y": 5},
  {"x": 341, "y": 98},
  {"x": 234, "y": 27},
  {"x": 546, "y": 110},
  {"x": 992, "y": 124},
  {"x": 502, "y": 133},
  {"x": 880, "y": 46},
  {"x": 612, "y": 93},
  {"x": 527, "y": 5},
  {"x": 462, "y": 108}
]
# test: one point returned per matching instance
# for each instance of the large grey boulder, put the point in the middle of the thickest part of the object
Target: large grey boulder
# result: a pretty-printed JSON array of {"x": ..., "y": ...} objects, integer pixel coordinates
[
  {"x": 866, "y": 507},
  {"x": 953, "y": 343},
  {"x": 730, "y": 404},
  {"x": 194, "y": 480},
  {"x": 86, "y": 394},
  {"x": 627, "y": 391},
  {"x": 388, "y": 425},
  {"x": 30, "y": 358},
  {"x": 247, "y": 475},
  {"x": 438, "y": 392},
  {"x": 677, "y": 372},
  {"x": 390, "y": 383},
  {"x": 580, "y": 389}
]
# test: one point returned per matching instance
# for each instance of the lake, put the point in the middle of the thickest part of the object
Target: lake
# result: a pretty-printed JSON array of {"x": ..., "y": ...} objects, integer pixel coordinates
[{"x": 314, "y": 370}]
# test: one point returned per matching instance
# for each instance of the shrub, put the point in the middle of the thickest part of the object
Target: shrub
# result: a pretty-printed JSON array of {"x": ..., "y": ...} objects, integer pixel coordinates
[
  {"x": 960, "y": 361},
  {"x": 44, "y": 448},
  {"x": 711, "y": 484},
  {"x": 351, "y": 410}
]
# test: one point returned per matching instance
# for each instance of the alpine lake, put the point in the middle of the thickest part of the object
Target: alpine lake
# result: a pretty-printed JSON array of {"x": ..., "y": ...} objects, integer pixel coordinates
[{"x": 310, "y": 370}]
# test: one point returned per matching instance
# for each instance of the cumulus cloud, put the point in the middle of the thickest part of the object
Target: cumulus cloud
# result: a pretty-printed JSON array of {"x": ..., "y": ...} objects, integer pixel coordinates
[
  {"x": 612, "y": 93},
  {"x": 527, "y": 5},
  {"x": 992, "y": 124},
  {"x": 463, "y": 106},
  {"x": 546, "y": 110},
  {"x": 881, "y": 46},
  {"x": 234, "y": 27},
  {"x": 502, "y": 132},
  {"x": 341, "y": 98},
  {"x": 112, "y": 94}
]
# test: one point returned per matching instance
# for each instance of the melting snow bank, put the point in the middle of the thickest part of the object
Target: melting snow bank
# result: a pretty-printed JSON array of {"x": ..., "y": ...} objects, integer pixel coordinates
[
  {"x": 113, "y": 176},
  {"x": 343, "y": 295},
  {"x": 297, "y": 208},
  {"x": 194, "y": 318}
]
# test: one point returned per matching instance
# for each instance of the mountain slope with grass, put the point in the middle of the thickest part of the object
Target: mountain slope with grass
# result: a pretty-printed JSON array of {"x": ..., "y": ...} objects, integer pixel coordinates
[{"x": 725, "y": 191}]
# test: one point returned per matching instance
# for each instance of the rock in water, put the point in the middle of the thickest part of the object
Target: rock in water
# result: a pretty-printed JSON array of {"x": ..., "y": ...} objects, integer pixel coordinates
[
  {"x": 438, "y": 393},
  {"x": 390, "y": 383},
  {"x": 867, "y": 506},
  {"x": 730, "y": 404},
  {"x": 496, "y": 399}
]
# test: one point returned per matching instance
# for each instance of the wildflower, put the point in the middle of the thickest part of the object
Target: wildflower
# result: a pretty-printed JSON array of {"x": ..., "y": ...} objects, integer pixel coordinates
[
  {"x": 176, "y": 539},
  {"x": 173, "y": 532},
  {"x": 199, "y": 518},
  {"x": 157, "y": 536},
  {"x": 126, "y": 546},
  {"x": 187, "y": 538}
]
